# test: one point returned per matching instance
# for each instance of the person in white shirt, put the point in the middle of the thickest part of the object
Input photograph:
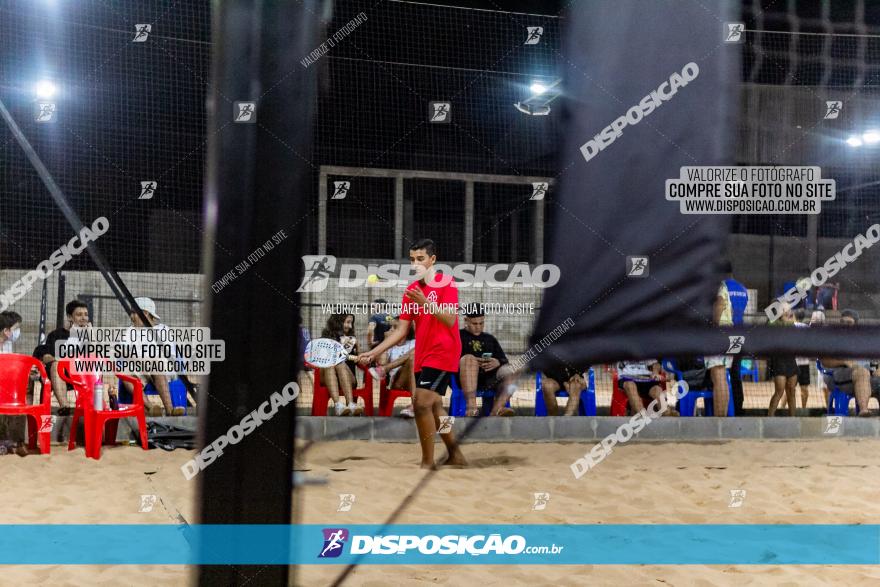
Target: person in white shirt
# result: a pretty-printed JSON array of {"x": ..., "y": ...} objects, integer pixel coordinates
[
  {"x": 159, "y": 380},
  {"x": 397, "y": 365}
]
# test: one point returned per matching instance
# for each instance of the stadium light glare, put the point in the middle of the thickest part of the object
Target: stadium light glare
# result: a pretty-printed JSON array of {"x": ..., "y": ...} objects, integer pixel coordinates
[
  {"x": 854, "y": 141},
  {"x": 45, "y": 89},
  {"x": 871, "y": 137},
  {"x": 537, "y": 88}
]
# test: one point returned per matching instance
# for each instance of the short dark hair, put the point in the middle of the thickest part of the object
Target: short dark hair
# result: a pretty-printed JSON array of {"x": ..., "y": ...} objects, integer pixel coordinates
[
  {"x": 8, "y": 319},
  {"x": 425, "y": 243},
  {"x": 851, "y": 314},
  {"x": 71, "y": 306},
  {"x": 475, "y": 311}
]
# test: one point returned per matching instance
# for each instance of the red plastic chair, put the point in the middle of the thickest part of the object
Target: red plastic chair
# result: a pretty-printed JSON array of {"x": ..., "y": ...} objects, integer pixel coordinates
[
  {"x": 321, "y": 395},
  {"x": 388, "y": 396},
  {"x": 104, "y": 422},
  {"x": 15, "y": 377}
]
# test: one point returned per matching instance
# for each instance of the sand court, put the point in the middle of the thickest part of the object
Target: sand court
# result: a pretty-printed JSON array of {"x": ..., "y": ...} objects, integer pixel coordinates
[{"x": 786, "y": 482}]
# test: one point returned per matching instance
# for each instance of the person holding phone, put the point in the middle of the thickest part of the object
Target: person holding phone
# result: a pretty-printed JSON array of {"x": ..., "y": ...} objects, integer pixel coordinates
[{"x": 484, "y": 365}]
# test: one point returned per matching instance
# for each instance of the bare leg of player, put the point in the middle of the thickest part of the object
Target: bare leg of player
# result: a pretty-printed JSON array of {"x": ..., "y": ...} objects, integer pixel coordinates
[
  {"x": 455, "y": 456},
  {"x": 426, "y": 426},
  {"x": 720, "y": 393},
  {"x": 549, "y": 388},
  {"x": 778, "y": 393},
  {"x": 469, "y": 368},
  {"x": 791, "y": 395},
  {"x": 805, "y": 395}
]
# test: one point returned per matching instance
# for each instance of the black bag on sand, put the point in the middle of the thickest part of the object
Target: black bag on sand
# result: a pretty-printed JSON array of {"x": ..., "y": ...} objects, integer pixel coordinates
[{"x": 167, "y": 437}]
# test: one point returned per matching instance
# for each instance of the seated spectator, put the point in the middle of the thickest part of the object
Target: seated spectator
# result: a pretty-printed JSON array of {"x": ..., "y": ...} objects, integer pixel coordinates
[
  {"x": 569, "y": 378},
  {"x": 10, "y": 330},
  {"x": 484, "y": 365},
  {"x": 342, "y": 376},
  {"x": 77, "y": 315},
  {"x": 640, "y": 381},
  {"x": 378, "y": 325},
  {"x": 397, "y": 364},
  {"x": 784, "y": 370},
  {"x": 853, "y": 376},
  {"x": 159, "y": 380}
]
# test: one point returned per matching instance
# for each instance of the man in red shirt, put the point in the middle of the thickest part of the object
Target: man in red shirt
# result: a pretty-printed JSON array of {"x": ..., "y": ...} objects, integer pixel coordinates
[{"x": 431, "y": 305}]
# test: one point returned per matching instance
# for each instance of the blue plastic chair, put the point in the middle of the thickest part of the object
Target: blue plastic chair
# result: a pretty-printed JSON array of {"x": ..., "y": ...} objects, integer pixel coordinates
[
  {"x": 458, "y": 403},
  {"x": 587, "y": 405},
  {"x": 838, "y": 401},
  {"x": 687, "y": 406},
  {"x": 751, "y": 370},
  {"x": 175, "y": 386}
]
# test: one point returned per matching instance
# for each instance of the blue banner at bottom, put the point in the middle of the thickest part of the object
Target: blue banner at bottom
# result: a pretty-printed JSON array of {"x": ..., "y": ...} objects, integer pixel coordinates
[{"x": 494, "y": 544}]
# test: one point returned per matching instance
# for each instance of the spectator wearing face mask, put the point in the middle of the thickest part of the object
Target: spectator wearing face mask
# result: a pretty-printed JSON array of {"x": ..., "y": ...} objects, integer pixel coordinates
[{"x": 10, "y": 330}]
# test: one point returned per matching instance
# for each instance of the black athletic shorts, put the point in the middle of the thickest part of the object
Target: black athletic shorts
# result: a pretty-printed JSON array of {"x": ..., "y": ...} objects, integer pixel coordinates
[
  {"x": 643, "y": 387},
  {"x": 561, "y": 374},
  {"x": 781, "y": 367},
  {"x": 433, "y": 379},
  {"x": 803, "y": 374}
]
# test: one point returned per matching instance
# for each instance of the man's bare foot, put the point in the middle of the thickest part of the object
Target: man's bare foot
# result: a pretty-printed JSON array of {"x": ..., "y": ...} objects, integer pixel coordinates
[
  {"x": 505, "y": 412},
  {"x": 427, "y": 466},
  {"x": 671, "y": 412},
  {"x": 455, "y": 460},
  {"x": 473, "y": 412},
  {"x": 865, "y": 414}
]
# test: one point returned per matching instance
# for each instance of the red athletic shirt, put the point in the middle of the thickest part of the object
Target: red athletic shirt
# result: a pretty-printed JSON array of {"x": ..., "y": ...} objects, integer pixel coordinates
[{"x": 437, "y": 345}]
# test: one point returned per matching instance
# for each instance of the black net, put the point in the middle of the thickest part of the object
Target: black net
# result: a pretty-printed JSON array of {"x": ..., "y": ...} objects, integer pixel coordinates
[
  {"x": 123, "y": 133},
  {"x": 431, "y": 120}
]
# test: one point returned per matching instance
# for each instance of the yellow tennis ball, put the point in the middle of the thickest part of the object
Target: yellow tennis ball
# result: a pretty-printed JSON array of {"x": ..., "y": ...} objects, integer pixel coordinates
[{"x": 373, "y": 278}]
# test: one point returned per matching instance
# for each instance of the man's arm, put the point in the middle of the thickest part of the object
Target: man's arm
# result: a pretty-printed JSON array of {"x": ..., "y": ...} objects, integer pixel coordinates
[{"x": 717, "y": 309}]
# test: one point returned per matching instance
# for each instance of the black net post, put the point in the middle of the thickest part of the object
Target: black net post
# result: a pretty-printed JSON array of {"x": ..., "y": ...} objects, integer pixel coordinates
[{"x": 257, "y": 175}]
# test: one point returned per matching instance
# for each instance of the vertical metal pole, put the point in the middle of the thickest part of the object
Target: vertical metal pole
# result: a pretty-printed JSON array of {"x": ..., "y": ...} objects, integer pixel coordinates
[
  {"x": 322, "y": 214},
  {"x": 812, "y": 241},
  {"x": 398, "y": 217},
  {"x": 59, "y": 310},
  {"x": 468, "y": 222},
  {"x": 538, "y": 238}
]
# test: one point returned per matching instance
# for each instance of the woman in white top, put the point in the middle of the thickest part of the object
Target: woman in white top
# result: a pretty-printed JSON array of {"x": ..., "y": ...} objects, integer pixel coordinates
[{"x": 397, "y": 364}]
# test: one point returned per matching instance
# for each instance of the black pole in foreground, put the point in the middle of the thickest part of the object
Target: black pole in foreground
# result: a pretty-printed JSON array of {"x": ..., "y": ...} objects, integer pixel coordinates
[{"x": 256, "y": 186}]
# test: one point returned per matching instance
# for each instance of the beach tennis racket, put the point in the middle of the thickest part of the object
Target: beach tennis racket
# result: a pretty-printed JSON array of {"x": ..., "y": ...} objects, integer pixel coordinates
[{"x": 325, "y": 352}]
